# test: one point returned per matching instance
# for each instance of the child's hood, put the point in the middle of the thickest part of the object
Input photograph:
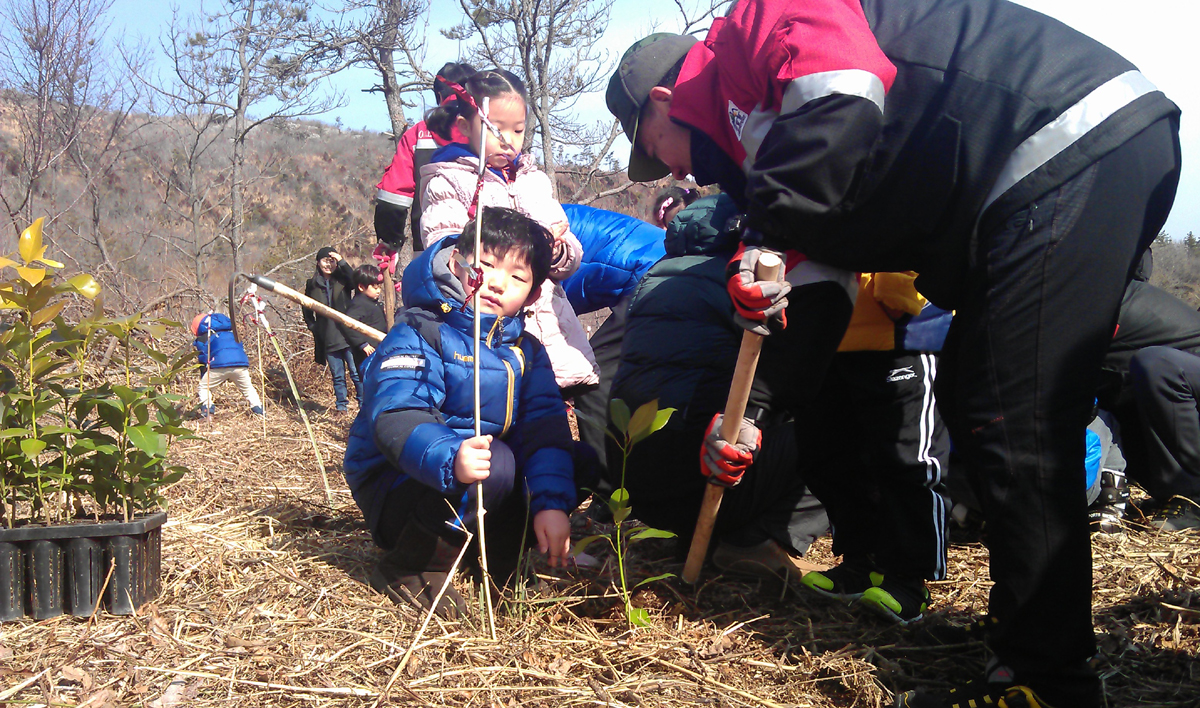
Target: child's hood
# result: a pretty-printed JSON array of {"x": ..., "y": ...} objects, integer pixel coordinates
[{"x": 428, "y": 283}]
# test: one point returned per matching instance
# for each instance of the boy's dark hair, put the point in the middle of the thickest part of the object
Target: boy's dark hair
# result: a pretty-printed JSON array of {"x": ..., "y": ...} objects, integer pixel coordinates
[
  {"x": 367, "y": 274},
  {"x": 450, "y": 71},
  {"x": 492, "y": 83},
  {"x": 677, "y": 196},
  {"x": 508, "y": 231}
]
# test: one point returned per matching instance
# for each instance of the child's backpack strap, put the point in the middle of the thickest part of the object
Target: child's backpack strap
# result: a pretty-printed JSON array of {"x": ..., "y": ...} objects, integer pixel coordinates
[{"x": 427, "y": 323}]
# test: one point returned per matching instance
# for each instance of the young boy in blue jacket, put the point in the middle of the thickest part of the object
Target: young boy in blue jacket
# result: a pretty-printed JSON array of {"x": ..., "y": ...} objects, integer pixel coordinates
[
  {"x": 222, "y": 358},
  {"x": 412, "y": 456}
]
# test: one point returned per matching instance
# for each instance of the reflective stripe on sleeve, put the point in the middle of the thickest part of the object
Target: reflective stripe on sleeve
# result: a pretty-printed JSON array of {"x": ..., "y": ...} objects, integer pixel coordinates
[
  {"x": 1075, "y": 122},
  {"x": 392, "y": 198}
]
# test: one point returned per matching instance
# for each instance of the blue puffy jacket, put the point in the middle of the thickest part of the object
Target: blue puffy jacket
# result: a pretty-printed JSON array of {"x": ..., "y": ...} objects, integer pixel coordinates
[
  {"x": 617, "y": 252},
  {"x": 215, "y": 343},
  {"x": 424, "y": 367}
]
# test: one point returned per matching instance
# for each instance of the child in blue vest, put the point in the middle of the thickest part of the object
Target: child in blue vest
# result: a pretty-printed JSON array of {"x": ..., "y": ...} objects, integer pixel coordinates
[
  {"x": 222, "y": 359},
  {"x": 412, "y": 456}
]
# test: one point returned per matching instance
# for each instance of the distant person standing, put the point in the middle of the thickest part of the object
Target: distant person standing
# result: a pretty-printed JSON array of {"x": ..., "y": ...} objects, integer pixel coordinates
[
  {"x": 331, "y": 285},
  {"x": 398, "y": 198}
]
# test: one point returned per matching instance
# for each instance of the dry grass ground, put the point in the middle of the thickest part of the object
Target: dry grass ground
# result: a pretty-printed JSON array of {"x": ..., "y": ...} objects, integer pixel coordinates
[{"x": 264, "y": 603}]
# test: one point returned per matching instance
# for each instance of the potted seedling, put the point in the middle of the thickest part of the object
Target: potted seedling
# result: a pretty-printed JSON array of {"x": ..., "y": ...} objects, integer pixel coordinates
[{"x": 83, "y": 453}]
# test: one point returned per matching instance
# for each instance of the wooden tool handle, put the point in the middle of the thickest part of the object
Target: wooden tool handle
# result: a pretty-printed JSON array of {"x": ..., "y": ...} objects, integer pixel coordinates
[
  {"x": 735, "y": 409},
  {"x": 319, "y": 307}
]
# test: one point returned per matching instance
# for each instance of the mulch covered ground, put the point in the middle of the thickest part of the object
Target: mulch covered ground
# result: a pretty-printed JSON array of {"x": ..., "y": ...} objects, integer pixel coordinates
[{"x": 265, "y": 603}]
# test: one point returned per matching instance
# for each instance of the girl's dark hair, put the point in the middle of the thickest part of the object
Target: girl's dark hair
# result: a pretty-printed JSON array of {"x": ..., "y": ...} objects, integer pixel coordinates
[
  {"x": 508, "y": 231},
  {"x": 670, "y": 197},
  {"x": 367, "y": 274},
  {"x": 492, "y": 83},
  {"x": 451, "y": 71}
]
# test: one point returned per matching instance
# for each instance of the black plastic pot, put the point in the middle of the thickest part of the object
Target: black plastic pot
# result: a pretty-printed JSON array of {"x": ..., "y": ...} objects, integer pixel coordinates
[{"x": 46, "y": 571}]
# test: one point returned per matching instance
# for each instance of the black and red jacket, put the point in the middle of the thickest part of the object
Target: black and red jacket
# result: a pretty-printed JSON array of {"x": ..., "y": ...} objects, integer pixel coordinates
[{"x": 877, "y": 135}]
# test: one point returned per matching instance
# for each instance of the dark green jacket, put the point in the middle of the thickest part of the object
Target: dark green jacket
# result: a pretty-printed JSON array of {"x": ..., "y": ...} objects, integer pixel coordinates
[{"x": 681, "y": 342}]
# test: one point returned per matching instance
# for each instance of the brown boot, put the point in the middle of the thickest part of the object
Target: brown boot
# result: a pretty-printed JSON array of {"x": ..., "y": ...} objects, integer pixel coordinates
[{"x": 415, "y": 570}]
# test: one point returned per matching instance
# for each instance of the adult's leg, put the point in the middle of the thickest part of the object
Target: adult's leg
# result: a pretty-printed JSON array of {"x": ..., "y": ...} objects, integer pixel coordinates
[
  {"x": 337, "y": 371},
  {"x": 1017, "y": 381},
  {"x": 1165, "y": 384},
  {"x": 352, "y": 372}
]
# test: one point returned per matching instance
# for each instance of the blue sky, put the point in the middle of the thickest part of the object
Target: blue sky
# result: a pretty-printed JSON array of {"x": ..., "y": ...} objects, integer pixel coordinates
[{"x": 1153, "y": 34}]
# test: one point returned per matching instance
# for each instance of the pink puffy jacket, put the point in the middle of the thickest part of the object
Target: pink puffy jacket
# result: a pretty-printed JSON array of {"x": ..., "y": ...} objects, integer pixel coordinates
[{"x": 447, "y": 193}]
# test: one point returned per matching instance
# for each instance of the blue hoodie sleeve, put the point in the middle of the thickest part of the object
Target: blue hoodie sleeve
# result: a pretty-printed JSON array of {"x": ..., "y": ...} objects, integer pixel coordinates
[
  {"x": 408, "y": 377},
  {"x": 541, "y": 439}
]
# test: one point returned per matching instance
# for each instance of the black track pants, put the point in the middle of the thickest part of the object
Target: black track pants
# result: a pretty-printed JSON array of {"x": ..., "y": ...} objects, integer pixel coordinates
[
  {"x": 875, "y": 452},
  {"x": 1018, "y": 375},
  {"x": 1166, "y": 382}
]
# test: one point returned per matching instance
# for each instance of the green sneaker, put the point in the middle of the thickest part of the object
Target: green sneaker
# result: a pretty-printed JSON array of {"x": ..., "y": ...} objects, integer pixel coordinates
[
  {"x": 903, "y": 602},
  {"x": 846, "y": 581}
]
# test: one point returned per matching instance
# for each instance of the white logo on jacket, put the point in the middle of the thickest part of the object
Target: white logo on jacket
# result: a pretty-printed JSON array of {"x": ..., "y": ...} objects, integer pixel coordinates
[
  {"x": 904, "y": 372},
  {"x": 403, "y": 361},
  {"x": 737, "y": 119}
]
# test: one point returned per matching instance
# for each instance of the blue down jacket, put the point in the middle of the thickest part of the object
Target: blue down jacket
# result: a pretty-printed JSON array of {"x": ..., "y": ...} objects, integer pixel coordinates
[
  {"x": 215, "y": 344},
  {"x": 424, "y": 367},
  {"x": 617, "y": 252}
]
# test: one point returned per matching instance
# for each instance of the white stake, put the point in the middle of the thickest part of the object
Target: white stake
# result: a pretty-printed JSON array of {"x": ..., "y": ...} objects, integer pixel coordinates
[{"x": 479, "y": 511}]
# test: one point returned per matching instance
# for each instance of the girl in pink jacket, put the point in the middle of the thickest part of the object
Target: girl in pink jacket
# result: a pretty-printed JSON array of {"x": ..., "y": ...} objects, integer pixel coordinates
[{"x": 511, "y": 180}]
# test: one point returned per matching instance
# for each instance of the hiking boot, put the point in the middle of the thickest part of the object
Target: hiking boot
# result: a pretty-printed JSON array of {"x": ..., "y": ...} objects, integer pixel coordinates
[
  {"x": 764, "y": 560},
  {"x": 976, "y": 694},
  {"x": 1104, "y": 515},
  {"x": 417, "y": 568},
  {"x": 1178, "y": 514},
  {"x": 975, "y": 632},
  {"x": 846, "y": 582},
  {"x": 901, "y": 601},
  {"x": 257, "y": 410}
]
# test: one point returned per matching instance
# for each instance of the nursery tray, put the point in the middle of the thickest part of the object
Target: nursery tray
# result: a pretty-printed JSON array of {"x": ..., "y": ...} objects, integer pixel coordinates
[{"x": 47, "y": 571}]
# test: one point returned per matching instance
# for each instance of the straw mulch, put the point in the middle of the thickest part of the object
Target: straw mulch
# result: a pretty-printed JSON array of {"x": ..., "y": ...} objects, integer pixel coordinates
[{"x": 264, "y": 603}]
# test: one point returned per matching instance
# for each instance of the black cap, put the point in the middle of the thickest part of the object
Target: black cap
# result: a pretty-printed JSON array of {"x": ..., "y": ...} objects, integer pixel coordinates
[
  {"x": 642, "y": 67},
  {"x": 324, "y": 251}
]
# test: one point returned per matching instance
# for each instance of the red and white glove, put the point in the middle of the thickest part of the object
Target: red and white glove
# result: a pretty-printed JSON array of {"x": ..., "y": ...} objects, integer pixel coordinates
[
  {"x": 723, "y": 462},
  {"x": 756, "y": 301},
  {"x": 387, "y": 257}
]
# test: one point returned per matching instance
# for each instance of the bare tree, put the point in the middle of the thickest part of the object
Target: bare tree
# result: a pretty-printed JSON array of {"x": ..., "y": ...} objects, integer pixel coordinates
[
  {"x": 552, "y": 44},
  {"x": 53, "y": 60},
  {"x": 696, "y": 16},
  {"x": 194, "y": 178},
  {"x": 374, "y": 33},
  {"x": 266, "y": 57}
]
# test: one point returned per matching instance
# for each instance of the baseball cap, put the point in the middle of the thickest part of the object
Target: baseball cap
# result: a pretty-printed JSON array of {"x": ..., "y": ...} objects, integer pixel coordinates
[{"x": 641, "y": 68}]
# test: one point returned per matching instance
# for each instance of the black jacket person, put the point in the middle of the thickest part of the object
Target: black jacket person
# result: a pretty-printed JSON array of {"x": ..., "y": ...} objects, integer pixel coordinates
[{"x": 1018, "y": 165}]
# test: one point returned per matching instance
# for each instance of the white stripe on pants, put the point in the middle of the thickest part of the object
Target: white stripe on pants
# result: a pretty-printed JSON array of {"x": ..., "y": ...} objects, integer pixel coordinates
[{"x": 239, "y": 375}]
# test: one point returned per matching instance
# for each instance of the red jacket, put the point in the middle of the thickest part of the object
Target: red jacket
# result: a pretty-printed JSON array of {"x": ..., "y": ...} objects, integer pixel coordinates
[
  {"x": 399, "y": 183},
  {"x": 875, "y": 135}
]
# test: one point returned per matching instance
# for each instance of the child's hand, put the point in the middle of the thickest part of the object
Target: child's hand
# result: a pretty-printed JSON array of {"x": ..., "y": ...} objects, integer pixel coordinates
[
  {"x": 553, "y": 531},
  {"x": 474, "y": 460},
  {"x": 368, "y": 349}
]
